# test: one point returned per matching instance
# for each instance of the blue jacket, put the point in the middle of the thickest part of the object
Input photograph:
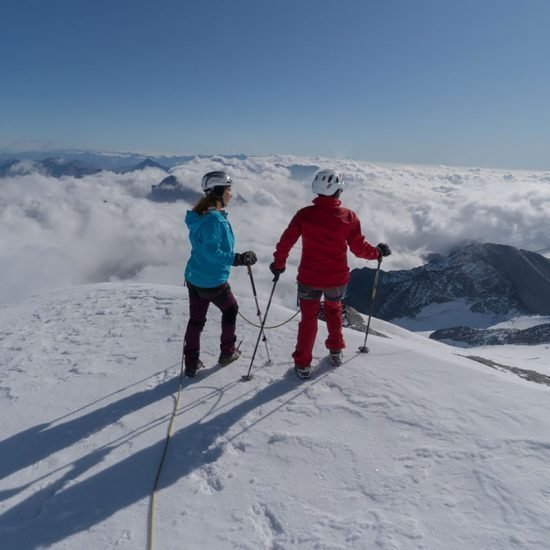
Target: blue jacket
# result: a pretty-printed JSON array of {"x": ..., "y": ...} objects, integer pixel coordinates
[{"x": 212, "y": 243}]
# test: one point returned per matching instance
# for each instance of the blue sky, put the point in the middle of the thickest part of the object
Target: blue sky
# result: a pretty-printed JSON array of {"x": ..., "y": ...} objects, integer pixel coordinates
[{"x": 418, "y": 81}]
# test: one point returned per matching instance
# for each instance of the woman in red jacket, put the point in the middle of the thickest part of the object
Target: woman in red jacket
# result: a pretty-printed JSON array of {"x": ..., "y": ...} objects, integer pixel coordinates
[{"x": 327, "y": 230}]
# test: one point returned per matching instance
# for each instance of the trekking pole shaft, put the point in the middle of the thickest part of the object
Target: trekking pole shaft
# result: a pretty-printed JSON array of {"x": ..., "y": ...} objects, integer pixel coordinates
[
  {"x": 247, "y": 375},
  {"x": 372, "y": 299},
  {"x": 258, "y": 311}
]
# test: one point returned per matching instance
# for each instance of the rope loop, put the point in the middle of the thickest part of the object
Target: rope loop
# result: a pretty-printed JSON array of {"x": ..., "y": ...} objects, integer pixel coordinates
[{"x": 271, "y": 327}]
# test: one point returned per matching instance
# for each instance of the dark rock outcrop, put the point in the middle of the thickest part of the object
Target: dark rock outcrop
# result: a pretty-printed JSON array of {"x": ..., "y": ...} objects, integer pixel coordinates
[
  {"x": 170, "y": 189},
  {"x": 351, "y": 318},
  {"x": 526, "y": 374},
  {"x": 471, "y": 337}
]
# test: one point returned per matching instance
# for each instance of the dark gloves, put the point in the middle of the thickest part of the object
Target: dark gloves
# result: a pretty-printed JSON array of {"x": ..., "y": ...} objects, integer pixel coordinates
[
  {"x": 245, "y": 258},
  {"x": 276, "y": 271},
  {"x": 384, "y": 249}
]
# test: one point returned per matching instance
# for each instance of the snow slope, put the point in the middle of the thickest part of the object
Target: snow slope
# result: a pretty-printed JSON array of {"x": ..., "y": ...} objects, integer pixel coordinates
[{"x": 408, "y": 447}]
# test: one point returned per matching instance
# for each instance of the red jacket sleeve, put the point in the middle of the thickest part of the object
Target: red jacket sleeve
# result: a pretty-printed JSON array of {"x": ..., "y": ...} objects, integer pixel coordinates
[
  {"x": 288, "y": 239},
  {"x": 358, "y": 244}
]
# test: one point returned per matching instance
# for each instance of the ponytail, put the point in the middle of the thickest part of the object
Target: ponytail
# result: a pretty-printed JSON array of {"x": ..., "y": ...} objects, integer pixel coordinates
[{"x": 205, "y": 203}]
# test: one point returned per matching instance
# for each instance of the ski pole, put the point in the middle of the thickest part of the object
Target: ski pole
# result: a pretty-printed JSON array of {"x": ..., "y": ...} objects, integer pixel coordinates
[
  {"x": 364, "y": 348},
  {"x": 258, "y": 312},
  {"x": 248, "y": 376}
]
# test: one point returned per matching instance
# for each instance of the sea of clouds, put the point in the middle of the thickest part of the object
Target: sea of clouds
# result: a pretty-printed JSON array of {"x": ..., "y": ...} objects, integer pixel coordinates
[{"x": 67, "y": 231}]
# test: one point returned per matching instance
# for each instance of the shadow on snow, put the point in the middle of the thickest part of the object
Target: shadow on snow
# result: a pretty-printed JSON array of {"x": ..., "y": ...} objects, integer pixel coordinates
[{"x": 66, "y": 506}]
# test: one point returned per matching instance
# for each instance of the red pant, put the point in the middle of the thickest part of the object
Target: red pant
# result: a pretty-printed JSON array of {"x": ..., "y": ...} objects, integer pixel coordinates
[{"x": 307, "y": 329}]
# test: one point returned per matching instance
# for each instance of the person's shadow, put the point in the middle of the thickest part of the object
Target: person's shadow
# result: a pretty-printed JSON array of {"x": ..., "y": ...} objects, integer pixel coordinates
[
  {"x": 63, "y": 509},
  {"x": 30, "y": 446},
  {"x": 37, "y": 443}
]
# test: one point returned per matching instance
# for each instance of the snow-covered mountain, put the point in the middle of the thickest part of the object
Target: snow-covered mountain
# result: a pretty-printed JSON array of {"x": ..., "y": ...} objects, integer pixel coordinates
[
  {"x": 475, "y": 285},
  {"x": 410, "y": 446},
  {"x": 416, "y": 445},
  {"x": 106, "y": 160},
  {"x": 55, "y": 167}
]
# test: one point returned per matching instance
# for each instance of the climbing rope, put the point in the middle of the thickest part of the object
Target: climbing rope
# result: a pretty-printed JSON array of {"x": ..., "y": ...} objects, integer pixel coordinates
[
  {"x": 152, "y": 500},
  {"x": 272, "y": 326}
]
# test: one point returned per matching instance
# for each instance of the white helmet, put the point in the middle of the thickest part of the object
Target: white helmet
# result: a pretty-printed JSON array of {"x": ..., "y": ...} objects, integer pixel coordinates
[
  {"x": 327, "y": 182},
  {"x": 215, "y": 179}
]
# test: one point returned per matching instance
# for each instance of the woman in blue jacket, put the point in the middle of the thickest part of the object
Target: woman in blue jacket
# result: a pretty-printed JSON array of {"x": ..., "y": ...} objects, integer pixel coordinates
[{"x": 208, "y": 269}]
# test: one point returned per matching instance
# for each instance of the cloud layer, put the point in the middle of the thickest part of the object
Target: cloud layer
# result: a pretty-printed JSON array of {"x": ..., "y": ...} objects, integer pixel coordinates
[{"x": 67, "y": 231}]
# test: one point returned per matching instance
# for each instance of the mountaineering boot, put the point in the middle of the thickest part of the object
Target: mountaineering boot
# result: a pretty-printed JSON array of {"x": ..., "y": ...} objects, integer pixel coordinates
[
  {"x": 336, "y": 357},
  {"x": 302, "y": 372},
  {"x": 191, "y": 370},
  {"x": 226, "y": 358}
]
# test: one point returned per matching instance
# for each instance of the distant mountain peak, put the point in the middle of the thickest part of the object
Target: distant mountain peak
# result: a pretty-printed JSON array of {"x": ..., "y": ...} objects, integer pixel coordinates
[
  {"x": 171, "y": 189},
  {"x": 50, "y": 166},
  {"x": 147, "y": 163}
]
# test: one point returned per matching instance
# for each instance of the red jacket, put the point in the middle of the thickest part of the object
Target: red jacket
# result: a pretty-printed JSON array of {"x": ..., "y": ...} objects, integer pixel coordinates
[{"x": 327, "y": 229}]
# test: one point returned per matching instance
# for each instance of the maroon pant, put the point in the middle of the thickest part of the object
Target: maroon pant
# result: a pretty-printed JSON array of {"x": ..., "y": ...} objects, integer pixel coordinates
[{"x": 199, "y": 300}]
